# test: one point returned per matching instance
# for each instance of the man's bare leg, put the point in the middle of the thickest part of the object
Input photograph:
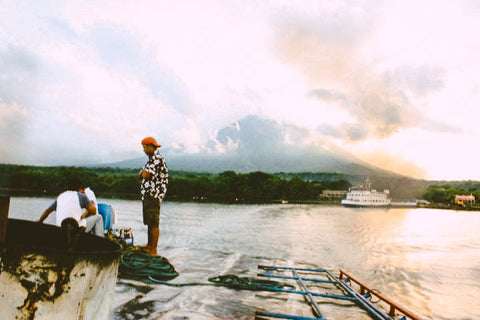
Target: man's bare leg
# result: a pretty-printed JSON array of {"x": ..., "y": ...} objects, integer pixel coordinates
[{"x": 153, "y": 235}]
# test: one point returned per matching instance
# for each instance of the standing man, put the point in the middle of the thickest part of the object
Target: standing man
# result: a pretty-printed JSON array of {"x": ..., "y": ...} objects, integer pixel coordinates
[{"x": 154, "y": 175}]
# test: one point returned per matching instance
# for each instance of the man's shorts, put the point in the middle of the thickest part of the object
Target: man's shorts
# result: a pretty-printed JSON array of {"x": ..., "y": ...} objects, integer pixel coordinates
[{"x": 151, "y": 211}]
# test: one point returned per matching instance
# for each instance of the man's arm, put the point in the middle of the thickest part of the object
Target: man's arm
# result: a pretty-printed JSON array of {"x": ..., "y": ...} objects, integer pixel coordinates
[
  {"x": 163, "y": 178},
  {"x": 85, "y": 203},
  {"x": 149, "y": 168},
  {"x": 45, "y": 214},
  {"x": 91, "y": 211}
]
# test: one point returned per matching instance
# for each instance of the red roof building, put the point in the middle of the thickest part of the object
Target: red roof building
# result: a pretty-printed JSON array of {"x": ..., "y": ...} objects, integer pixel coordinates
[{"x": 461, "y": 198}]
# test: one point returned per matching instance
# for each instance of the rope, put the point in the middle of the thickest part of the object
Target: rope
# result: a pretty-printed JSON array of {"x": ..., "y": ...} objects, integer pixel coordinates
[
  {"x": 247, "y": 283},
  {"x": 141, "y": 264},
  {"x": 371, "y": 296},
  {"x": 158, "y": 269},
  {"x": 179, "y": 284},
  {"x": 233, "y": 282}
]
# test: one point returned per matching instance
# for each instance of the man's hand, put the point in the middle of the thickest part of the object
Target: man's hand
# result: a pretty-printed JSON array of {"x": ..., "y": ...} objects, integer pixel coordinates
[{"x": 144, "y": 174}]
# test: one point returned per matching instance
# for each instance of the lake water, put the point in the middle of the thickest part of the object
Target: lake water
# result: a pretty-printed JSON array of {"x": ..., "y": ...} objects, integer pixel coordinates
[{"x": 427, "y": 260}]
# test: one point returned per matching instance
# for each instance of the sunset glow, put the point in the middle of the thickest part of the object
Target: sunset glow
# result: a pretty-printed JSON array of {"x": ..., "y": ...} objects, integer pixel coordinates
[{"x": 393, "y": 83}]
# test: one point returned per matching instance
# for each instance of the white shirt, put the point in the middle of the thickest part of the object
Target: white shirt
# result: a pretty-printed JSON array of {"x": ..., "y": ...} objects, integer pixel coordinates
[{"x": 68, "y": 206}]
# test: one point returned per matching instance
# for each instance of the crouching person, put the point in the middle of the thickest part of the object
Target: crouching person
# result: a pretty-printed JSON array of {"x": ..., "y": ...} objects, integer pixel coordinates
[{"x": 73, "y": 203}]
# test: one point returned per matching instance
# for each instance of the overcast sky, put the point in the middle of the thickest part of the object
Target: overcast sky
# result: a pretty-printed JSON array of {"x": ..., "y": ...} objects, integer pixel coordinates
[{"x": 396, "y": 83}]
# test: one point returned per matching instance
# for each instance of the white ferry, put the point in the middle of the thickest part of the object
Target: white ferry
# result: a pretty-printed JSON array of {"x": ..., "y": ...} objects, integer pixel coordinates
[{"x": 363, "y": 196}]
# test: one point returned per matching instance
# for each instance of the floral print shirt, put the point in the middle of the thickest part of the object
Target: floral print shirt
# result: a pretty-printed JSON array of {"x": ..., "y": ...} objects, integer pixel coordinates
[{"x": 156, "y": 184}]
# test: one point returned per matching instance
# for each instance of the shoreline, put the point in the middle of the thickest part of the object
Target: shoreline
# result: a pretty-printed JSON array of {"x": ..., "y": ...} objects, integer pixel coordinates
[{"x": 131, "y": 196}]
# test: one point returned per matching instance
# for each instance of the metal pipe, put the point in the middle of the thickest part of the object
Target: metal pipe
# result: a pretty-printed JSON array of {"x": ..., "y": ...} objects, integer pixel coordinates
[
  {"x": 367, "y": 305},
  {"x": 293, "y": 278},
  {"x": 284, "y": 316},
  {"x": 354, "y": 295},
  {"x": 314, "y": 304},
  {"x": 4, "y": 207},
  {"x": 289, "y": 268},
  {"x": 321, "y": 295}
]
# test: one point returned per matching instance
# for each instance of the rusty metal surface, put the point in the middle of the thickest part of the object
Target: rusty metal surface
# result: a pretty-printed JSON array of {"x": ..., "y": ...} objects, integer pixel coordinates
[
  {"x": 41, "y": 277},
  {"x": 4, "y": 206}
]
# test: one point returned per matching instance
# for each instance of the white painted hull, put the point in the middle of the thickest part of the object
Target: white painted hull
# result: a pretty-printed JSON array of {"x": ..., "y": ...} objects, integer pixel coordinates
[
  {"x": 360, "y": 204},
  {"x": 40, "y": 282}
]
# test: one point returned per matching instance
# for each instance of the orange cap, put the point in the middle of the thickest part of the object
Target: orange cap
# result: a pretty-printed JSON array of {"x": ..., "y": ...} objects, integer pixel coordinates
[{"x": 150, "y": 140}]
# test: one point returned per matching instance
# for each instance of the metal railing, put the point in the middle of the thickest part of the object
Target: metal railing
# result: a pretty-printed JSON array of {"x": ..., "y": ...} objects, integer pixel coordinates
[{"x": 344, "y": 276}]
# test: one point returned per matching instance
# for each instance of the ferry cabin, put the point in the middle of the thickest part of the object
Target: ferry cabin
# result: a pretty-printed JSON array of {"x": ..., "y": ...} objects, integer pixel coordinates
[{"x": 366, "y": 197}]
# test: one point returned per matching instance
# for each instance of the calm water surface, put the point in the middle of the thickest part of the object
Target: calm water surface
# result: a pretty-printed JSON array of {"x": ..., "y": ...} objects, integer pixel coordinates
[{"x": 428, "y": 260}]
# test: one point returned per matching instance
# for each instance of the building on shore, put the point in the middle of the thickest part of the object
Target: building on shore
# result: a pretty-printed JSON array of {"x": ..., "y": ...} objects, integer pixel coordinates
[
  {"x": 332, "y": 194},
  {"x": 462, "y": 199}
]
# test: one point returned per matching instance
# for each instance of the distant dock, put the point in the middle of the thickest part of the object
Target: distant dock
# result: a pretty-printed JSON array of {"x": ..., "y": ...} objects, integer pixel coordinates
[{"x": 403, "y": 204}]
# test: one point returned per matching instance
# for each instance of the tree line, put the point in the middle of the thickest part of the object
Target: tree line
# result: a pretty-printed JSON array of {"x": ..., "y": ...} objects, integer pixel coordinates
[
  {"x": 249, "y": 187},
  {"x": 227, "y": 186},
  {"x": 445, "y": 193}
]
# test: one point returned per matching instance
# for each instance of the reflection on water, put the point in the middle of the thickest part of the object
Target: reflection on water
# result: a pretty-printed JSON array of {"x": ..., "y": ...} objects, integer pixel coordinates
[{"x": 423, "y": 258}]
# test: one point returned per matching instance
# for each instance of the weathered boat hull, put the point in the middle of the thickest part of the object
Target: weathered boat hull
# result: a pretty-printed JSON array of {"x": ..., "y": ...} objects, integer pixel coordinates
[{"x": 48, "y": 273}]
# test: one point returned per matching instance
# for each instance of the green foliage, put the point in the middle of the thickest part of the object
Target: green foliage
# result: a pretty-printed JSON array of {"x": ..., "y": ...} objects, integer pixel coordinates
[
  {"x": 445, "y": 193},
  {"x": 227, "y": 186},
  {"x": 52, "y": 180}
]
